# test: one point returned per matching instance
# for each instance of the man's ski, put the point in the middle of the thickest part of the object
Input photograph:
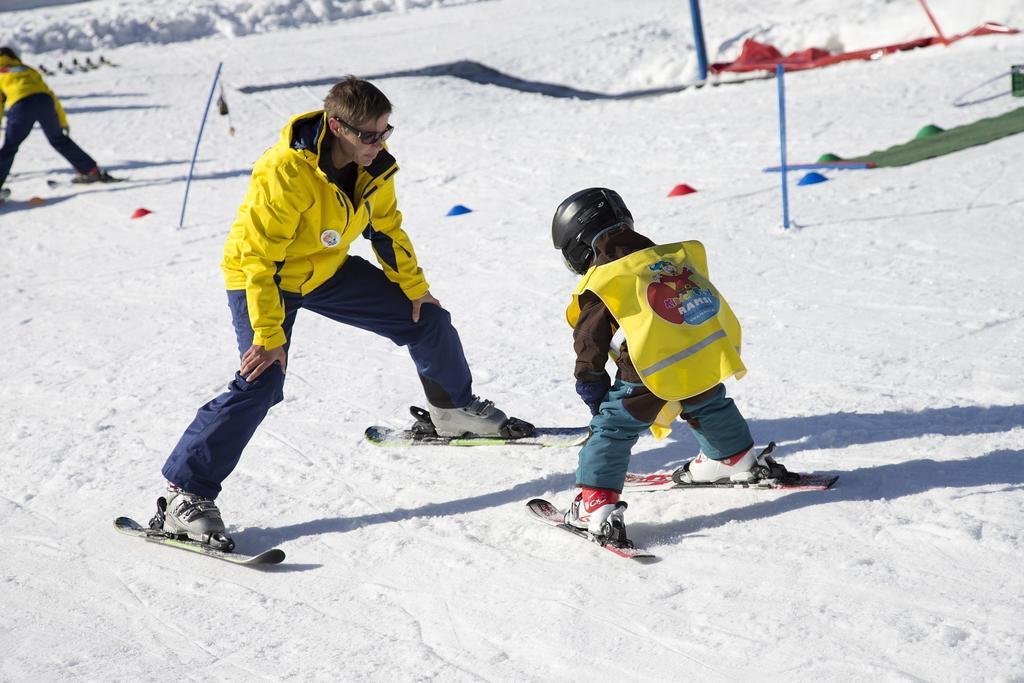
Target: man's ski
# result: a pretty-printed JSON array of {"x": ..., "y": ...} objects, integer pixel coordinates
[
  {"x": 550, "y": 437},
  {"x": 103, "y": 178},
  {"x": 663, "y": 481},
  {"x": 129, "y": 526},
  {"x": 546, "y": 513},
  {"x": 422, "y": 433}
]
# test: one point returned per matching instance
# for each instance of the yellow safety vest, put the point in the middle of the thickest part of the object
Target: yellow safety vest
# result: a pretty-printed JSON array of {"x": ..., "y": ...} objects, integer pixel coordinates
[{"x": 683, "y": 338}]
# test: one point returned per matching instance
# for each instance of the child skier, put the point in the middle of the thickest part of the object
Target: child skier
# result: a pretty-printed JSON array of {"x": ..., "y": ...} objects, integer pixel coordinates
[
  {"x": 674, "y": 339},
  {"x": 28, "y": 100}
]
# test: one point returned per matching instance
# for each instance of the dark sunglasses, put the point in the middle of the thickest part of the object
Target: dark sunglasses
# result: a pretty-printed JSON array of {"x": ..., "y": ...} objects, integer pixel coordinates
[{"x": 367, "y": 137}]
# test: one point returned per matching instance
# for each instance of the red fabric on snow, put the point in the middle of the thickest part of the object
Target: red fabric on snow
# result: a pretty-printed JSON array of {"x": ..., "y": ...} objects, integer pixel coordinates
[{"x": 755, "y": 56}]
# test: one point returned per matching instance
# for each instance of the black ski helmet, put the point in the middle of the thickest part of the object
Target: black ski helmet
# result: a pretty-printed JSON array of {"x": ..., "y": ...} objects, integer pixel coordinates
[{"x": 581, "y": 218}]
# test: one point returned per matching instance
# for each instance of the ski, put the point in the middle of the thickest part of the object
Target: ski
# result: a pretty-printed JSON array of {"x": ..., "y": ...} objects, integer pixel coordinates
[
  {"x": 766, "y": 473},
  {"x": 550, "y": 437},
  {"x": 77, "y": 180},
  {"x": 422, "y": 433},
  {"x": 663, "y": 481},
  {"x": 546, "y": 513},
  {"x": 76, "y": 66},
  {"x": 130, "y": 527}
]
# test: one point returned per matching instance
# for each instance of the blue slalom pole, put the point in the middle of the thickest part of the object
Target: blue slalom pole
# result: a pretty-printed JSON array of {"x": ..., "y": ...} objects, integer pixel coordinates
[
  {"x": 195, "y": 152},
  {"x": 780, "y": 78},
  {"x": 698, "y": 40}
]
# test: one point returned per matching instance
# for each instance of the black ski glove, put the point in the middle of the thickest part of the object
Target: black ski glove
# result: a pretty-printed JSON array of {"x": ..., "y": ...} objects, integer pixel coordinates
[{"x": 593, "y": 392}]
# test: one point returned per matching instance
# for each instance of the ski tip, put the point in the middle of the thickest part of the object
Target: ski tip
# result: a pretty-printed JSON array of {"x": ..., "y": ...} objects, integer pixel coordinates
[
  {"x": 127, "y": 524},
  {"x": 540, "y": 505},
  {"x": 829, "y": 482},
  {"x": 632, "y": 552},
  {"x": 646, "y": 558},
  {"x": 272, "y": 556},
  {"x": 377, "y": 434},
  {"x": 812, "y": 482}
]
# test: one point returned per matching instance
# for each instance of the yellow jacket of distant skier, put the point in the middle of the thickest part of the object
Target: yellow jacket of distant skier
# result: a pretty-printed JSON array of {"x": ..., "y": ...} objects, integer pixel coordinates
[
  {"x": 681, "y": 334},
  {"x": 18, "y": 81},
  {"x": 294, "y": 228}
]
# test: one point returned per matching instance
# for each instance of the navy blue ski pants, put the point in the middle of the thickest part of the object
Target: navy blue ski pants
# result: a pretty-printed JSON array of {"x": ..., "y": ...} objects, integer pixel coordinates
[
  {"x": 24, "y": 114},
  {"x": 360, "y": 295}
]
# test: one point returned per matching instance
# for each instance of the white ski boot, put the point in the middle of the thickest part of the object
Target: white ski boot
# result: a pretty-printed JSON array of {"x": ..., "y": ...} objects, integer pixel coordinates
[
  {"x": 600, "y": 512},
  {"x": 188, "y": 514},
  {"x": 477, "y": 418},
  {"x": 745, "y": 467},
  {"x": 703, "y": 469}
]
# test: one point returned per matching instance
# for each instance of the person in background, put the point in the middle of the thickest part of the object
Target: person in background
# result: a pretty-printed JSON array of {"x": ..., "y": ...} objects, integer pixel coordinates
[
  {"x": 329, "y": 180},
  {"x": 28, "y": 100},
  {"x": 674, "y": 340}
]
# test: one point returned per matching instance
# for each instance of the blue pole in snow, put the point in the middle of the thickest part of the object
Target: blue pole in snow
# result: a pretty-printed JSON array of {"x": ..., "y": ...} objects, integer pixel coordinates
[
  {"x": 780, "y": 78},
  {"x": 195, "y": 152},
  {"x": 698, "y": 39}
]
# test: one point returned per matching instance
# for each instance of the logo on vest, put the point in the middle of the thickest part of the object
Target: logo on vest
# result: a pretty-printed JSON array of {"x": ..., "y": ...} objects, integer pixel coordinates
[
  {"x": 330, "y": 238},
  {"x": 675, "y": 294}
]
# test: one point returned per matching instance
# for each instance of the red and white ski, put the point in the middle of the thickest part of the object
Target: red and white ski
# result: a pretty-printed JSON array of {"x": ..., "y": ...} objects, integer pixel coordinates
[
  {"x": 546, "y": 513},
  {"x": 662, "y": 481}
]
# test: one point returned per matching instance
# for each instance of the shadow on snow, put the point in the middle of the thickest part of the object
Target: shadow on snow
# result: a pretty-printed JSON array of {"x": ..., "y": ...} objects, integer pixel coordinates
[
  {"x": 838, "y": 430},
  {"x": 882, "y": 482},
  {"x": 518, "y": 493},
  {"x": 478, "y": 73}
]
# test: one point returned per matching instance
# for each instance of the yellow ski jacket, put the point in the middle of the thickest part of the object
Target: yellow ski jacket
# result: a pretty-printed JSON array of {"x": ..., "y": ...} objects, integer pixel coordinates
[
  {"x": 294, "y": 228},
  {"x": 18, "y": 81}
]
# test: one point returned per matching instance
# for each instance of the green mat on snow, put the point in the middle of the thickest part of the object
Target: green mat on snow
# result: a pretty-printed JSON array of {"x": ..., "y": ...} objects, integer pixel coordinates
[{"x": 952, "y": 140}]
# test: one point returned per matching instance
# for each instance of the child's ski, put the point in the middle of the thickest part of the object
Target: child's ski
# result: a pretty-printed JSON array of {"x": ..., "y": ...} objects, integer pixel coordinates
[
  {"x": 663, "y": 481},
  {"x": 546, "y": 513}
]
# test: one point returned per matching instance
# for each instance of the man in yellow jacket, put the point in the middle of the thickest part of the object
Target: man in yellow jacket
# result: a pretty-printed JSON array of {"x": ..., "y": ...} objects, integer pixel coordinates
[
  {"x": 28, "y": 100},
  {"x": 327, "y": 181}
]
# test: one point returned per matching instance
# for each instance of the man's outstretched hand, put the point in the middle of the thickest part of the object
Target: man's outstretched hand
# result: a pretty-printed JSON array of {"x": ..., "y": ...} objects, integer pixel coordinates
[{"x": 257, "y": 359}]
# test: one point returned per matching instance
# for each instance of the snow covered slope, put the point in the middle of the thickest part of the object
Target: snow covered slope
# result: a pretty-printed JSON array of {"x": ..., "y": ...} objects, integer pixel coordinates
[{"x": 882, "y": 334}]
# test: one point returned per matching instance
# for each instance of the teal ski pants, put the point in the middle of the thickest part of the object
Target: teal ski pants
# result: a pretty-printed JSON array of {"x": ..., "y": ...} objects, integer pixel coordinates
[{"x": 717, "y": 424}]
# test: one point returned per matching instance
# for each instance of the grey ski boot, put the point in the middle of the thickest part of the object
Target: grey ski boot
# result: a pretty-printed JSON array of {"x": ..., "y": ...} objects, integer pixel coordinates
[
  {"x": 188, "y": 514},
  {"x": 478, "y": 418}
]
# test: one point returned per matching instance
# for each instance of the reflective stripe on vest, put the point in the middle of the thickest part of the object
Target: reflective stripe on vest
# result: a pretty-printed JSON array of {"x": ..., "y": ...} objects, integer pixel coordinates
[{"x": 685, "y": 353}]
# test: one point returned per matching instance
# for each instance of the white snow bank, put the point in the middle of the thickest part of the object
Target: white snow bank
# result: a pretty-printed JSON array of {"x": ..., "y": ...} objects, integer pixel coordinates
[{"x": 112, "y": 23}]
